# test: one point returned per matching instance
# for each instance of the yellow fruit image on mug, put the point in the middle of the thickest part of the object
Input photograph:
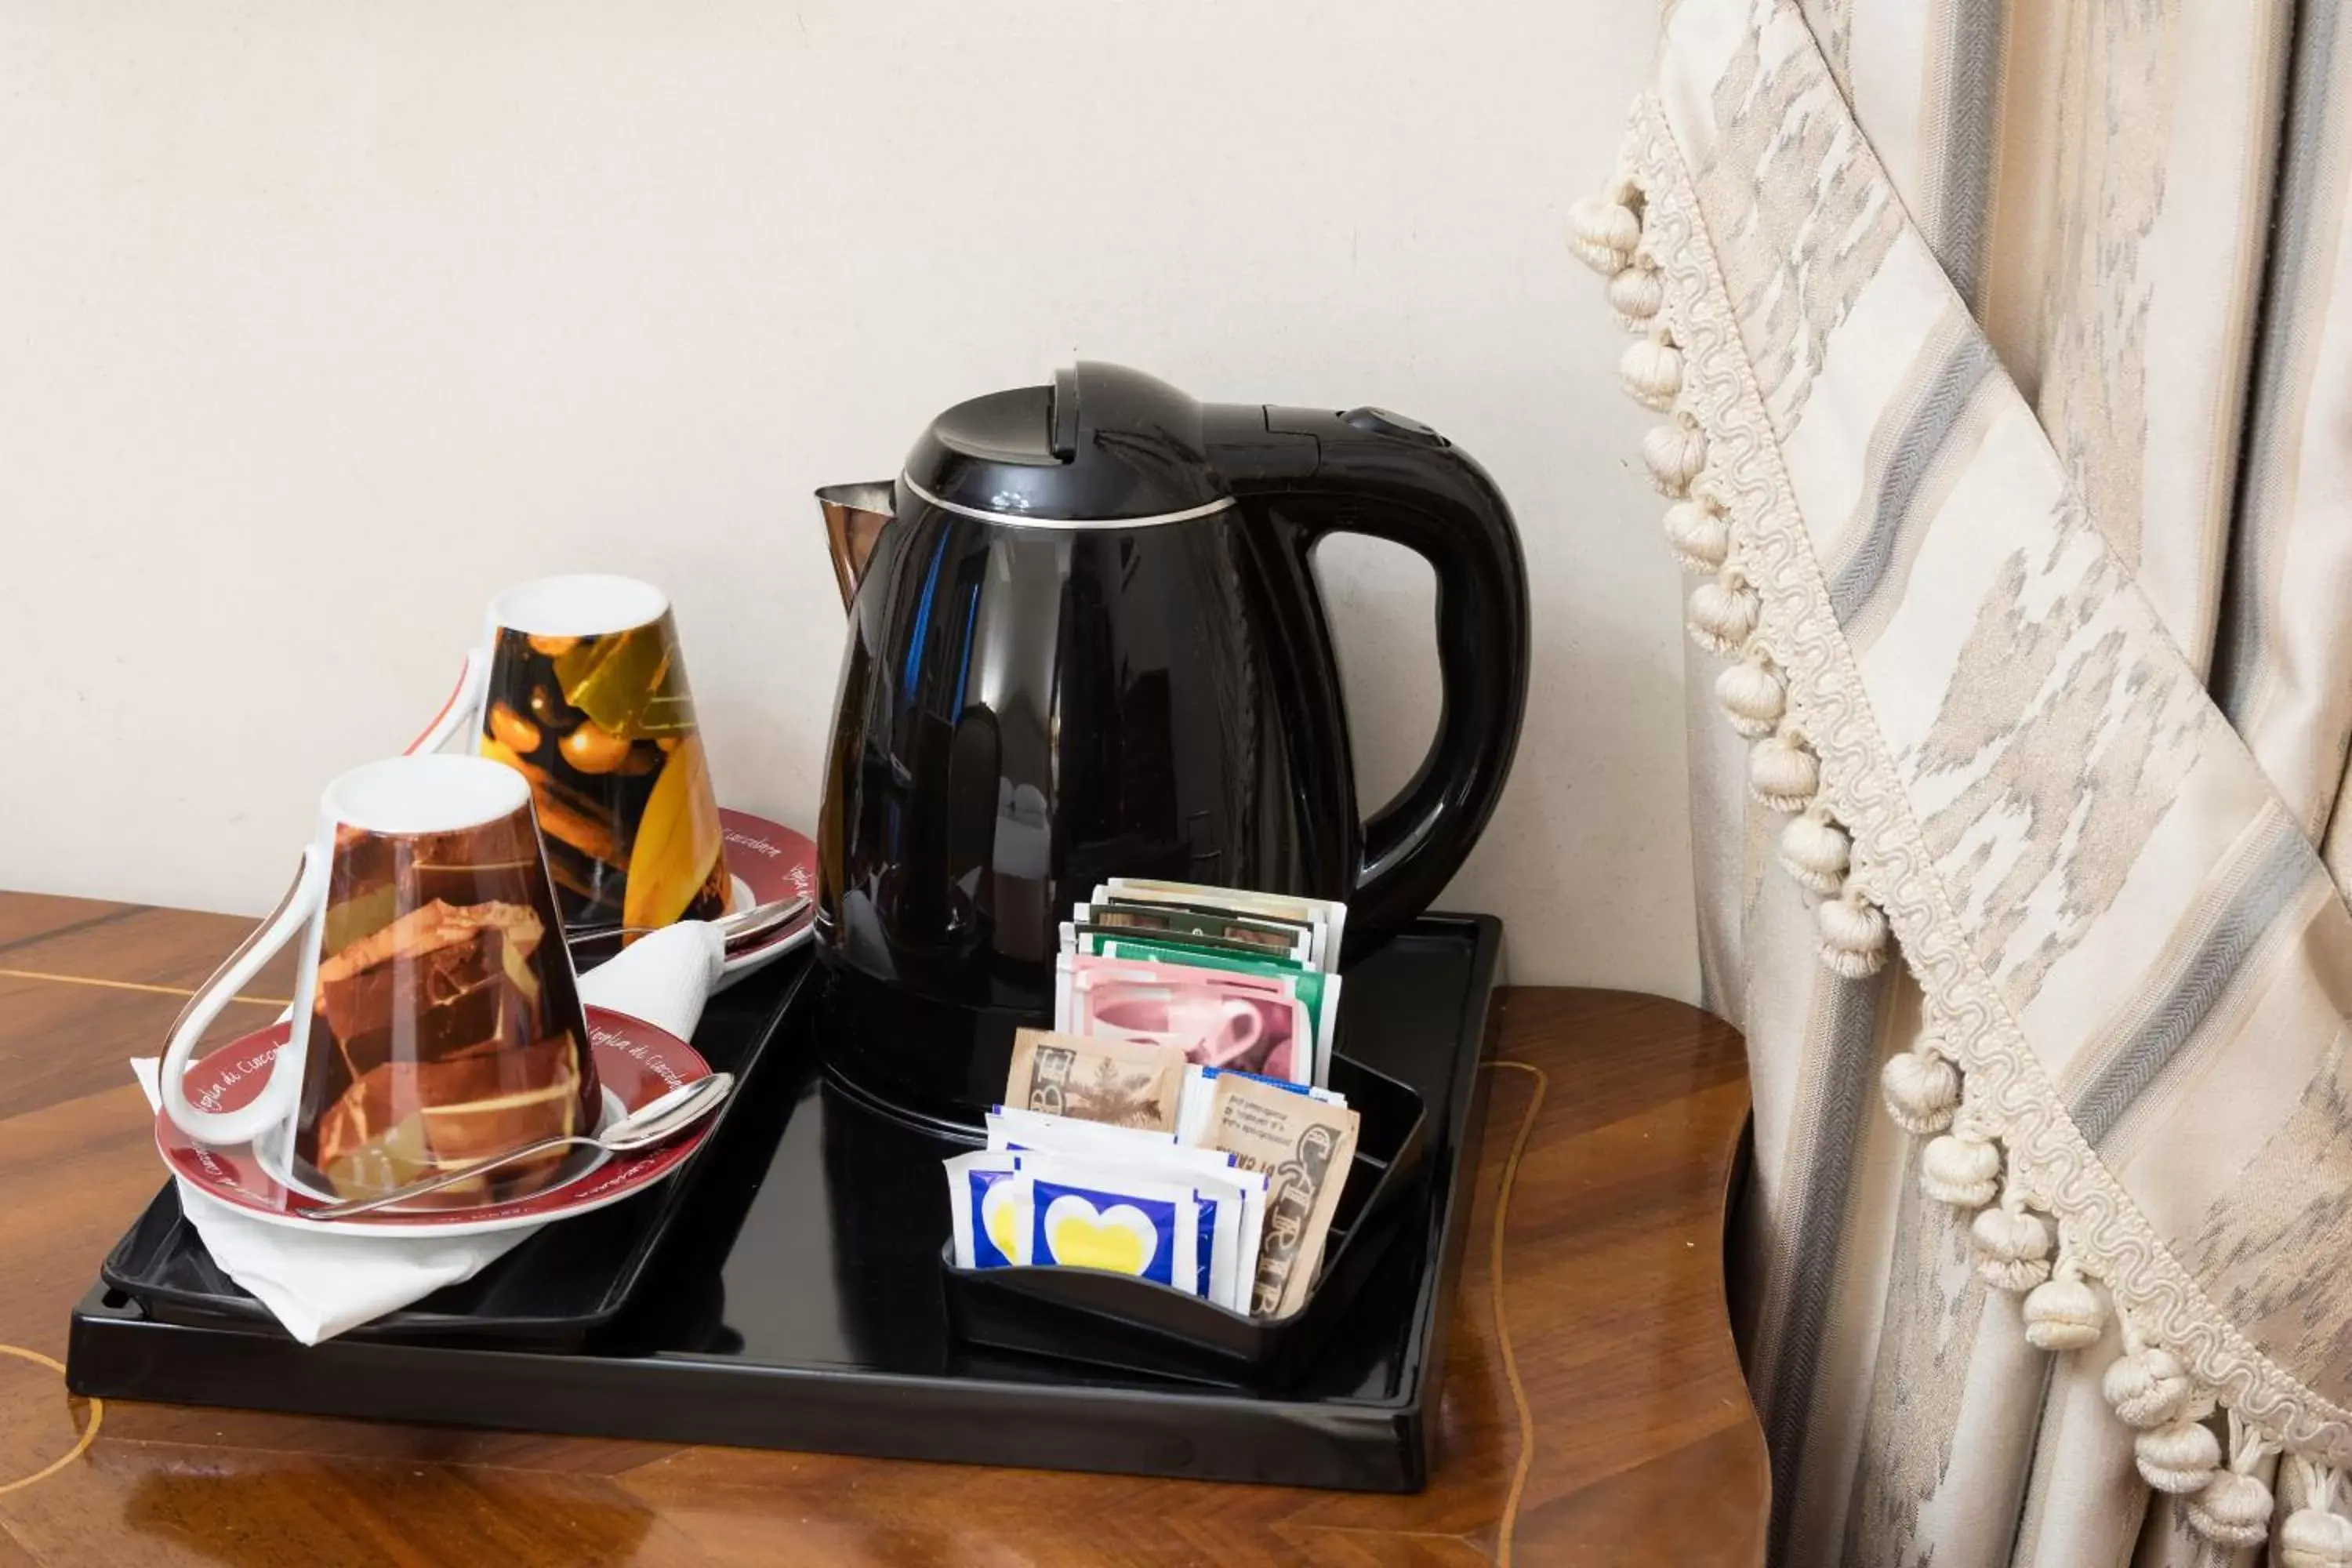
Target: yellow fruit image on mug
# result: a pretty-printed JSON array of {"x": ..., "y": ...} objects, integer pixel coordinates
[
  {"x": 603, "y": 729},
  {"x": 577, "y": 686}
]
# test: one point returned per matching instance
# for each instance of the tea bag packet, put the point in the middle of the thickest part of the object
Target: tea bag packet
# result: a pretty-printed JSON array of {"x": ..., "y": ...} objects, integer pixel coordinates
[
  {"x": 1171, "y": 1125},
  {"x": 1200, "y": 1092},
  {"x": 1281, "y": 938},
  {"x": 1325, "y": 919},
  {"x": 1019, "y": 1131},
  {"x": 1088, "y": 1214},
  {"x": 1180, "y": 947},
  {"x": 1087, "y": 937},
  {"x": 989, "y": 1208},
  {"x": 1217, "y": 1019},
  {"x": 1124, "y": 1083},
  {"x": 1317, "y": 990},
  {"x": 1233, "y": 1209},
  {"x": 1306, "y": 1148},
  {"x": 1231, "y": 1212},
  {"x": 1022, "y": 1210},
  {"x": 1019, "y": 1127}
]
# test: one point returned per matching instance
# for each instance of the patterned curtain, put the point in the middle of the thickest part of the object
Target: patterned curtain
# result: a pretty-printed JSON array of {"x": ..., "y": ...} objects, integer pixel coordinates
[{"x": 2007, "y": 426}]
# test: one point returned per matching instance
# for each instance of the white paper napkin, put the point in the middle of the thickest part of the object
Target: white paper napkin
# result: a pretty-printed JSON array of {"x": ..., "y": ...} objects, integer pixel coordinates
[
  {"x": 320, "y": 1283},
  {"x": 663, "y": 978}
]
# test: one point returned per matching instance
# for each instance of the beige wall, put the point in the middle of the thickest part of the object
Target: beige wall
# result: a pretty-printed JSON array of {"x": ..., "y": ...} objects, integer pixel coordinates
[{"x": 321, "y": 321}]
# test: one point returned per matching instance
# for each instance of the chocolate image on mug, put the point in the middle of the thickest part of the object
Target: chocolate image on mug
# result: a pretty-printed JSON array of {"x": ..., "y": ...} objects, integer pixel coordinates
[
  {"x": 445, "y": 1024},
  {"x": 435, "y": 1023}
]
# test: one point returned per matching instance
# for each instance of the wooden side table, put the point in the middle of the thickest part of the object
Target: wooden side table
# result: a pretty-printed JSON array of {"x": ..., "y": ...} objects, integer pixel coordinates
[{"x": 1593, "y": 1411}]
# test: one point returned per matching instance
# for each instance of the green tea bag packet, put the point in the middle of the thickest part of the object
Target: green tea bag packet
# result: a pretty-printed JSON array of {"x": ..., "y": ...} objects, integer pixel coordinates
[
  {"x": 1078, "y": 937},
  {"x": 1287, "y": 938}
]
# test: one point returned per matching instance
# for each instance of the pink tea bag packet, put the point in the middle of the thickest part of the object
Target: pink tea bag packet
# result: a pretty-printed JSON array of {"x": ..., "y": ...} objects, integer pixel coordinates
[{"x": 1217, "y": 1017}]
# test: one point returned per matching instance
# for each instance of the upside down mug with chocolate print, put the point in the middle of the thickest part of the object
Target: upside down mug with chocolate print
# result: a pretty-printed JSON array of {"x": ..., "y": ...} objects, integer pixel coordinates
[{"x": 436, "y": 1019}]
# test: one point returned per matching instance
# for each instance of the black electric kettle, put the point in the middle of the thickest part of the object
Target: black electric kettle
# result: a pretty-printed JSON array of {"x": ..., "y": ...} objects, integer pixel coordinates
[{"x": 1085, "y": 641}]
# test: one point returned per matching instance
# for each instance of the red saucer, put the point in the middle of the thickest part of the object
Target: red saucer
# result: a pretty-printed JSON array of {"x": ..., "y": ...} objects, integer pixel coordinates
[
  {"x": 635, "y": 1063},
  {"x": 771, "y": 862}
]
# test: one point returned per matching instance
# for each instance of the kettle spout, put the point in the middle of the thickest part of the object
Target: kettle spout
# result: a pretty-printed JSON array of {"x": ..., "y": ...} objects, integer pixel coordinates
[{"x": 853, "y": 520}]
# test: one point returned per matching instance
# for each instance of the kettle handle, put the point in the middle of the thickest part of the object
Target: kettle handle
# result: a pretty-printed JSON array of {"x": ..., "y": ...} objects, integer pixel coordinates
[{"x": 1368, "y": 471}]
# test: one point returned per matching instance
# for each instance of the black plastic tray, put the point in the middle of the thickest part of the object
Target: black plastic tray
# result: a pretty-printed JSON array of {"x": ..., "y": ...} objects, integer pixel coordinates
[
  {"x": 795, "y": 1300},
  {"x": 1119, "y": 1321},
  {"x": 550, "y": 1292}
]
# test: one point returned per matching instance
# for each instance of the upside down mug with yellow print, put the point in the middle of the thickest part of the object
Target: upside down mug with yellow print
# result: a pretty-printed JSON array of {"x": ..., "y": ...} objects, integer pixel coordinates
[{"x": 579, "y": 686}]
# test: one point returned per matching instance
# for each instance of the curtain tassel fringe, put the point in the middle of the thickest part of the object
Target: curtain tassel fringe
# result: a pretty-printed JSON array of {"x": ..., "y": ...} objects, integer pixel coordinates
[{"x": 2316, "y": 1535}]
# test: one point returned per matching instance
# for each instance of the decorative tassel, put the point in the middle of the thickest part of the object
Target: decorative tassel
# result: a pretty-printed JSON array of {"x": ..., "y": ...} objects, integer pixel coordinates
[
  {"x": 1599, "y": 257},
  {"x": 1782, "y": 774},
  {"x": 1637, "y": 293},
  {"x": 1853, "y": 935},
  {"x": 2012, "y": 1245},
  {"x": 1604, "y": 231},
  {"x": 1962, "y": 1169},
  {"x": 2314, "y": 1539},
  {"x": 2179, "y": 1457},
  {"x": 1698, "y": 535},
  {"x": 1723, "y": 613},
  {"x": 2235, "y": 1509},
  {"x": 1752, "y": 698},
  {"x": 1652, "y": 371},
  {"x": 1675, "y": 454},
  {"x": 1921, "y": 1089},
  {"x": 1815, "y": 853},
  {"x": 2316, "y": 1535},
  {"x": 2064, "y": 1311},
  {"x": 2146, "y": 1385}
]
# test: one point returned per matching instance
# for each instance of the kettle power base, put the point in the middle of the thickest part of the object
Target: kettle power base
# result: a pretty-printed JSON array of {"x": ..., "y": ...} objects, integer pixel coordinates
[{"x": 794, "y": 1300}]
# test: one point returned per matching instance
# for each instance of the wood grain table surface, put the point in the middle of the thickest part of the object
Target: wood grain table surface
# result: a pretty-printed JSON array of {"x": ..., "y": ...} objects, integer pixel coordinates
[{"x": 1593, "y": 1410}]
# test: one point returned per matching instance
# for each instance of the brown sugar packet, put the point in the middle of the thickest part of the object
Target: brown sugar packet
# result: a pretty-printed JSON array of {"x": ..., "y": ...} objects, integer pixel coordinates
[
  {"x": 1306, "y": 1147},
  {"x": 1095, "y": 1078}
]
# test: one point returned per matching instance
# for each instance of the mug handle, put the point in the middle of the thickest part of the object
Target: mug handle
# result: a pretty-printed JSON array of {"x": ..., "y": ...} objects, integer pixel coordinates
[
  {"x": 463, "y": 708},
  {"x": 222, "y": 1128},
  {"x": 1244, "y": 1026}
]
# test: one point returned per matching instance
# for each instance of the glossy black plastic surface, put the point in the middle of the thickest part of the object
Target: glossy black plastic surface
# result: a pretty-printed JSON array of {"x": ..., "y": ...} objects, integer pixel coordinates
[
  {"x": 1102, "y": 443},
  {"x": 796, "y": 1300},
  {"x": 550, "y": 1292},
  {"x": 1025, "y": 710},
  {"x": 1378, "y": 474}
]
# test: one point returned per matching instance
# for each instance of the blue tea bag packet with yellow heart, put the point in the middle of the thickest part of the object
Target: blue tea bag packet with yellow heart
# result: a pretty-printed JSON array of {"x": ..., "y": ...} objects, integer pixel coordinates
[
  {"x": 1232, "y": 1220},
  {"x": 989, "y": 1208},
  {"x": 1090, "y": 1217}
]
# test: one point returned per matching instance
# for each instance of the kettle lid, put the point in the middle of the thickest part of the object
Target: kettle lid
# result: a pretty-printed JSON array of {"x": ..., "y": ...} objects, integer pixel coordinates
[{"x": 1101, "y": 444}]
